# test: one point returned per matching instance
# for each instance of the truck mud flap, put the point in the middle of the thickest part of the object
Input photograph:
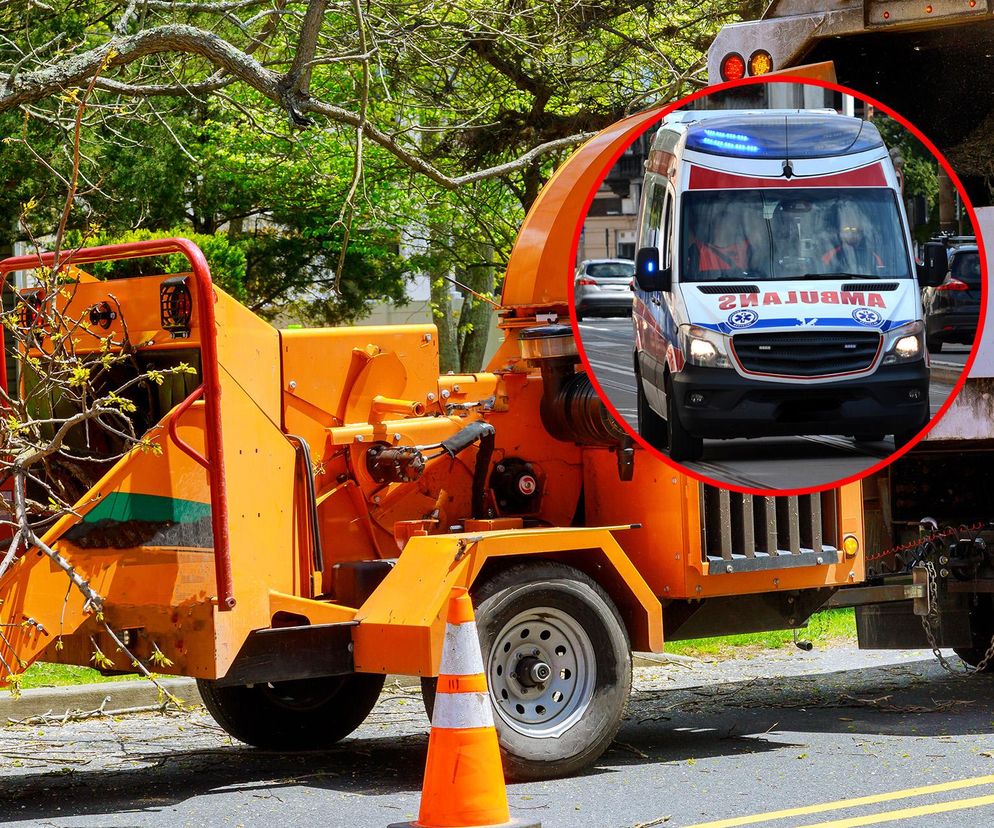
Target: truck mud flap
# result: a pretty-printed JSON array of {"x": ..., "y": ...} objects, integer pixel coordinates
[
  {"x": 287, "y": 653},
  {"x": 745, "y": 533},
  {"x": 894, "y": 626}
]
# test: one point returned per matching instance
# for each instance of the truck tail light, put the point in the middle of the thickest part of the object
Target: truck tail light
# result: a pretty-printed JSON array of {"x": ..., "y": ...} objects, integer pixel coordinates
[
  {"x": 953, "y": 284},
  {"x": 760, "y": 62},
  {"x": 733, "y": 67},
  {"x": 29, "y": 307},
  {"x": 175, "y": 306},
  {"x": 586, "y": 280}
]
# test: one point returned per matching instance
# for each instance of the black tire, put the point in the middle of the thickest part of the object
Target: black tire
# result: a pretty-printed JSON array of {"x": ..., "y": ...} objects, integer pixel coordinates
[
  {"x": 563, "y": 589},
  {"x": 293, "y": 715},
  {"x": 868, "y": 438},
  {"x": 981, "y": 631},
  {"x": 683, "y": 445},
  {"x": 651, "y": 426}
]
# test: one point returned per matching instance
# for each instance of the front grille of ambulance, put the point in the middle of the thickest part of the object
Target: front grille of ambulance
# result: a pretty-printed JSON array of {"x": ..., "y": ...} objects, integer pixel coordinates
[
  {"x": 806, "y": 353},
  {"x": 742, "y": 532}
]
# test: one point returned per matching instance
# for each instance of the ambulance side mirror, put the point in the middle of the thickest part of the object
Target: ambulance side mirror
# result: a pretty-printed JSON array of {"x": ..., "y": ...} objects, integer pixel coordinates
[
  {"x": 649, "y": 276},
  {"x": 935, "y": 264}
]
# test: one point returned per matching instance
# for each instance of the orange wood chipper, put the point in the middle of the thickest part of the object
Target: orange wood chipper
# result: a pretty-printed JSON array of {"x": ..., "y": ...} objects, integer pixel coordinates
[{"x": 319, "y": 492}]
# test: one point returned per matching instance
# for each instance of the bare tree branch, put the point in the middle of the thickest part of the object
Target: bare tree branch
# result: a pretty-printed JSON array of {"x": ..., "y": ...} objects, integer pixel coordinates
[{"x": 298, "y": 76}]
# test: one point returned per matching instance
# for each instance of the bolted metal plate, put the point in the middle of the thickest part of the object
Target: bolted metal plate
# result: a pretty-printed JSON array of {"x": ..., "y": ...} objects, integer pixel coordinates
[{"x": 783, "y": 560}]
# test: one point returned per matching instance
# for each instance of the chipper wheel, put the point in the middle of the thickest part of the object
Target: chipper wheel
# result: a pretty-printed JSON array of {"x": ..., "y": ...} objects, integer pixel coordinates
[
  {"x": 293, "y": 715},
  {"x": 558, "y": 667}
]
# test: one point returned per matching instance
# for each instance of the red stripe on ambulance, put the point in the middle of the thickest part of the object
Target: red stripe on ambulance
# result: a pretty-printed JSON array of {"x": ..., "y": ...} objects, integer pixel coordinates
[
  {"x": 731, "y": 301},
  {"x": 705, "y": 179}
]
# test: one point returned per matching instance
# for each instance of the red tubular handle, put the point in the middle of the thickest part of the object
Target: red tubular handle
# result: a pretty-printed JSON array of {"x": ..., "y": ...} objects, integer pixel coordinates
[
  {"x": 210, "y": 389},
  {"x": 184, "y": 446}
]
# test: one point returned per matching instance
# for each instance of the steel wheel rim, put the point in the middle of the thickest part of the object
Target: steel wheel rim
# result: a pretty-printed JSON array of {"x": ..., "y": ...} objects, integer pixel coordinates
[{"x": 542, "y": 635}]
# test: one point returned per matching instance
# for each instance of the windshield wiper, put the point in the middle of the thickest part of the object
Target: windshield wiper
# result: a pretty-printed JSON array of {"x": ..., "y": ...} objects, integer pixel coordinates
[{"x": 838, "y": 275}]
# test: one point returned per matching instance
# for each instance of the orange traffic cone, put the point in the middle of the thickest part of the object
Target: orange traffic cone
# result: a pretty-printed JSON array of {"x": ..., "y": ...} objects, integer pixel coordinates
[{"x": 464, "y": 781}]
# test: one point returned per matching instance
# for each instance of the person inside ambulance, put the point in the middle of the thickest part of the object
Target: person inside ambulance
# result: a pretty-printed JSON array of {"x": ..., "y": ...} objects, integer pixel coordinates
[
  {"x": 723, "y": 247},
  {"x": 853, "y": 254}
]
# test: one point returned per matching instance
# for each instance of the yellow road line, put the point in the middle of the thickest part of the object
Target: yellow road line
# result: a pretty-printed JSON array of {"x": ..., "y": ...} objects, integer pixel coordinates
[
  {"x": 841, "y": 804},
  {"x": 907, "y": 813}
]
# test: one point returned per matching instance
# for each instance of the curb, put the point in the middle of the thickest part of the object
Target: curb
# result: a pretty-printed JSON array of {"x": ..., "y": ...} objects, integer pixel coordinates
[
  {"x": 133, "y": 696},
  {"x": 947, "y": 373},
  {"x": 120, "y": 695}
]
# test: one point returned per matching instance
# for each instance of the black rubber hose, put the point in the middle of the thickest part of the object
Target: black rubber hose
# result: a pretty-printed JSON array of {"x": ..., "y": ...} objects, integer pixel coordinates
[
  {"x": 486, "y": 451},
  {"x": 303, "y": 452},
  {"x": 466, "y": 436}
]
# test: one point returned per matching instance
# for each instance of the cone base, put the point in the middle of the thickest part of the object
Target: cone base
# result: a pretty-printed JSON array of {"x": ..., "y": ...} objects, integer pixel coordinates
[{"x": 514, "y": 823}]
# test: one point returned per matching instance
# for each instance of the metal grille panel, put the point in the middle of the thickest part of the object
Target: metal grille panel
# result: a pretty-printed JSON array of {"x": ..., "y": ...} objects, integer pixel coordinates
[
  {"x": 742, "y": 532},
  {"x": 871, "y": 287},
  {"x": 715, "y": 290},
  {"x": 806, "y": 354}
]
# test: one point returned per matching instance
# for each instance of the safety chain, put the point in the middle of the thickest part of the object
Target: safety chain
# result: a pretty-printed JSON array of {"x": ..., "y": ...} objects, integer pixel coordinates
[
  {"x": 948, "y": 532},
  {"x": 933, "y": 616}
]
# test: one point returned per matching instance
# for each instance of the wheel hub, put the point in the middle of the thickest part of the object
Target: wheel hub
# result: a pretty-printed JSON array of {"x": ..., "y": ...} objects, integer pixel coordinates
[
  {"x": 532, "y": 672},
  {"x": 541, "y": 672}
]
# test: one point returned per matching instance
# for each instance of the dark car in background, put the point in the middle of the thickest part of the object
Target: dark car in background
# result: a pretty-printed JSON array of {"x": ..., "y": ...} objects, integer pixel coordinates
[
  {"x": 603, "y": 287},
  {"x": 952, "y": 308}
]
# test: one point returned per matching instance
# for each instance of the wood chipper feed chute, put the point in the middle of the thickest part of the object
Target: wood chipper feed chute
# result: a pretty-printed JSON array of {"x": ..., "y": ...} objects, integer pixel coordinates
[{"x": 152, "y": 535}]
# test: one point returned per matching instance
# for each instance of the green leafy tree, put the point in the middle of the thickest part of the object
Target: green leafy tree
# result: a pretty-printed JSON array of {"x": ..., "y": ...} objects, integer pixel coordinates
[{"x": 322, "y": 136}]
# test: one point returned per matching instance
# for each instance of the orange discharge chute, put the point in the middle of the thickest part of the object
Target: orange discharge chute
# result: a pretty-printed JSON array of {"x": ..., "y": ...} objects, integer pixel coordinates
[{"x": 541, "y": 263}]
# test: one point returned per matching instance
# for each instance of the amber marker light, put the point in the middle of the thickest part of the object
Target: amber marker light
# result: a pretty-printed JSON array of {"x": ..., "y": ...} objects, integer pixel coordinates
[
  {"x": 760, "y": 63},
  {"x": 850, "y": 546}
]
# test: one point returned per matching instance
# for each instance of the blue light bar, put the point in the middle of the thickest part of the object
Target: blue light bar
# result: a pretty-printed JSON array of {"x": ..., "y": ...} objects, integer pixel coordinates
[
  {"x": 732, "y": 142},
  {"x": 783, "y": 136}
]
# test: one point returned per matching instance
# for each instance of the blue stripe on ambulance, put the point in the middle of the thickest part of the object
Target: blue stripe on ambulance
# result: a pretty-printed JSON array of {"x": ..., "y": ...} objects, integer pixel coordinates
[{"x": 802, "y": 323}]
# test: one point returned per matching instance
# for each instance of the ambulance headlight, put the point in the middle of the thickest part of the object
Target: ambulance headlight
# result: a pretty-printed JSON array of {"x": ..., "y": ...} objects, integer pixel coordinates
[
  {"x": 906, "y": 343},
  {"x": 907, "y": 347},
  {"x": 700, "y": 346},
  {"x": 702, "y": 351}
]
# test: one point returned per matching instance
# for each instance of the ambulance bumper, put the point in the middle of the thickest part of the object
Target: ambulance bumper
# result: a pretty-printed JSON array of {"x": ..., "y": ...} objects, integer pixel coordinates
[{"x": 719, "y": 403}]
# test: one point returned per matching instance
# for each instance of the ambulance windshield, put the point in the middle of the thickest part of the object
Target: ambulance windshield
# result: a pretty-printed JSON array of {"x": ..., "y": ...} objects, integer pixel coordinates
[{"x": 780, "y": 234}]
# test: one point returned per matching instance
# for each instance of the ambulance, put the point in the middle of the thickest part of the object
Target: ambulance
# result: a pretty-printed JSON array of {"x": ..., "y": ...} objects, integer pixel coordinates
[{"x": 776, "y": 290}]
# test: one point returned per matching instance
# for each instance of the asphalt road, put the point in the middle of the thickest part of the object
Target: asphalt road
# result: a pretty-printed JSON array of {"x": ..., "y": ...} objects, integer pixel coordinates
[
  {"x": 762, "y": 462},
  {"x": 701, "y": 742}
]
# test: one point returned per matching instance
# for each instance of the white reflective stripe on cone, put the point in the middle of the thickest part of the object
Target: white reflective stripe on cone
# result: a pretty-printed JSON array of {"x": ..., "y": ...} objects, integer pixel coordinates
[
  {"x": 461, "y": 651},
  {"x": 459, "y": 710}
]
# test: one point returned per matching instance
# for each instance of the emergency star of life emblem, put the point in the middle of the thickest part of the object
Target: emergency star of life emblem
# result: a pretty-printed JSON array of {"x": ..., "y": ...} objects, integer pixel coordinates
[
  {"x": 742, "y": 318},
  {"x": 866, "y": 316}
]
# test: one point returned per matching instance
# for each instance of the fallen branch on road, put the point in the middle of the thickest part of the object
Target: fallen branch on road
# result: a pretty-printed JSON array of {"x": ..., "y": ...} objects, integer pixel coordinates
[{"x": 75, "y": 715}]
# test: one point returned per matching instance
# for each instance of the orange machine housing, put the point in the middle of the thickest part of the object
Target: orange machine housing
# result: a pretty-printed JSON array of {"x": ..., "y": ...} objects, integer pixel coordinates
[{"x": 675, "y": 556}]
